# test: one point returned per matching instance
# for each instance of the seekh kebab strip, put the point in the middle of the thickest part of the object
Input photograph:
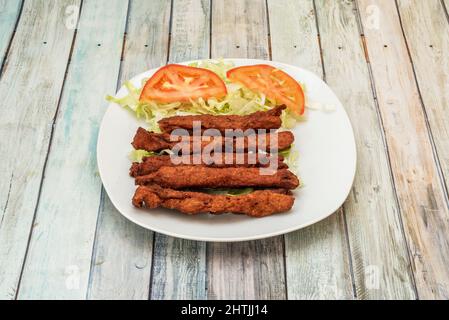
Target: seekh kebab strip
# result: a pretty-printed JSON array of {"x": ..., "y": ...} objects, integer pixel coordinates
[
  {"x": 245, "y": 160},
  {"x": 181, "y": 177},
  {"x": 258, "y": 120},
  {"x": 259, "y": 203},
  {"x": 151, "y": 141}
]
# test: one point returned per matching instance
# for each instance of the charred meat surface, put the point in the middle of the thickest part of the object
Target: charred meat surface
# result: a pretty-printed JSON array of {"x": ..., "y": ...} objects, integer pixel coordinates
[
  {"x": 270, "y": 142},
  {"x": 206, "y": 177},
  {"x": 223, "y": 160},
  {"x": 257, "y": 120},
  {"x": 258, "y": 203},
  {"x": 203, "y": 168}
]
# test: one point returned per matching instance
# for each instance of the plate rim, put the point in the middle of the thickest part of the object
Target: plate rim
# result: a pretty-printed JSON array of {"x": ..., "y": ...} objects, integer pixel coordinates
[{"x": 234, "y": 239}]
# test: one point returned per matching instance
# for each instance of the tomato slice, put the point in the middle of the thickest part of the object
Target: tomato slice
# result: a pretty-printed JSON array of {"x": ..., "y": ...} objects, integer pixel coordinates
[
  {"x": 174, "y": 82},
  {"x": 274, "y": 83}
]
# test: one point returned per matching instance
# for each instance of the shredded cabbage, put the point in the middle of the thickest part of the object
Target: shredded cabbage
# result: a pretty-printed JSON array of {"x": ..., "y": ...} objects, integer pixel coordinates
[{"x": 239, "y": 100}]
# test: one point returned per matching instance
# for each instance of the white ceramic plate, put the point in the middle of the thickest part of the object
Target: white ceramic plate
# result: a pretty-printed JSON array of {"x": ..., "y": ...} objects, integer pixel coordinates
[{"x": 327, "y": 163}]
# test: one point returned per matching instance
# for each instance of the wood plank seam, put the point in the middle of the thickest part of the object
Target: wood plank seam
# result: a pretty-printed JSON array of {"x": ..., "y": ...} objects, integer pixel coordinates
[
  {"x": 47, "y": 155},
  {"x": 211, "y": 4},
  {"x": 426, "y": 118},
  {"x": 351, "y": 263},
  {"x": 384, "y": 139},
  {"x": 320, "y": 45},
  {"x": 253, "y": 266},
  {"x": 390, "y": 171},
  {"x": 94, "y": 244},
  {"x": 284, "y": 258},
  {"x": 174, "y": 257},
  {"x": 376, "y": 240},
  {"x": 198, "y": 250},
  {"x": 5, "y": 56},
  {"x": 425, "y": 30},
  {"x": 270, "y": 54},
  {"x": 102, "y": 191},
  {"x": 365, "y": 49},
  {"x": 122, "y": 53},
  {"x": 446, "y": 12},
  {"x": 150, "y": 284},
  {"x": 125, "y": 250},
  {"x": 425, "y": 208},
  {"x": 206, "y": 267},
  {"x": 345, "y": 224},
  {"x": 169, "y": 58},
  {"x": 295, "y": 40},
  {"x": 7, "y": 198},
  {"x": 169, "y": 34}
]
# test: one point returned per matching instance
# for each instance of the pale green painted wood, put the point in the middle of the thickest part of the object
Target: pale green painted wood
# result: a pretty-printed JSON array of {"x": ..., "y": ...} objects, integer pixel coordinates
[
  {"x": 422, "y": 197},
  {"x": 252, "y": 269},
  {"x": 121, "y": 265},
  {"x": 190, "y": 33},
  {"x": 179, "y": 269},
  {"x": 294, "y": 34},
  {"x": 179, "y": 266},
  {"x": 9, "y": 13},
  {"x": 29, "y": 88},
  {"x": 60, "y": 250},
  {"x": 121, "y": 262},
  {"x": 317, "y": 258},
  {"x": 378, "y": 249}
]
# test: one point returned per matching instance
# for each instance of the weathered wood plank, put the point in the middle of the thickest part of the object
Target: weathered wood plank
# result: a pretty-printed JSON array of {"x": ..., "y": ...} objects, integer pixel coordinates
[
  {"x": 246, "y": 270},
  {"x": 446, "y": 7},
  {"x": 179, "y": 266},
  {"x": 31, "y": 82},
  {"x": 294, "y": 34},
  {"x": 190, "y": 33},
  {"x": 420, "y": 192},
  {"x": 253, "y": 269},
  {"x": 121, "y": 265},
  {"x": 427, "y": 33},
  {"x": 378, "y": 248},
  {"x": 317, "y": 258},
  {"x": 60, "y": 250},
  {"x": 9, "y": 13},
  {"x": 179, "y": 269},
  {"x": 240, "y": 29}
]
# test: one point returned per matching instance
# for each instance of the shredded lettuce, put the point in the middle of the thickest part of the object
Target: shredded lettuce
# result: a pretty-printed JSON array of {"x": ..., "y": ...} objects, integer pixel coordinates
[
  {"x": 239, "y": 100},
  {"x": 227, "y": 192},
  {"x": 138, "y": 155},
  {"x": 291, "y": 157},
  {"x": 239, "y": 192},
  {"x": 218, "y": 66}
]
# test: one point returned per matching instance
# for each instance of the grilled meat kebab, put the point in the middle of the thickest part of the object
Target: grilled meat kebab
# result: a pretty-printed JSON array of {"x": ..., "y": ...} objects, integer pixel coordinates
[{"x": 259, "y": 203}]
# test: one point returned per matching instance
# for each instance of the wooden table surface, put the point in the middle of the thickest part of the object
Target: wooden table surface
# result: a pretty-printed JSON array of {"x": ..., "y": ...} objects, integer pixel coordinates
[{"x": 60, "y": 236}]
